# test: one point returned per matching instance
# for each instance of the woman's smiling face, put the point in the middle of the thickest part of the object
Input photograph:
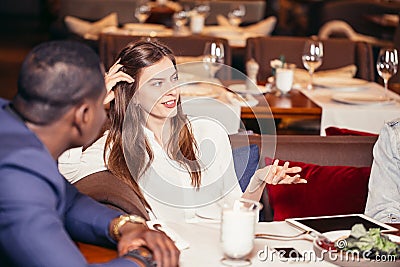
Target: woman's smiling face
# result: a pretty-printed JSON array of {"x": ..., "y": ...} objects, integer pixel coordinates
[{"x": 157, "y": 94}]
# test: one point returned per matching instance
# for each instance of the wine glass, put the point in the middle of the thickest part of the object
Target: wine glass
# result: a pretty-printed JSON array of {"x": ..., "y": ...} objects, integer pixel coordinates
[
  {"x": 386, "y": 65},
  {"x": 142, "y": 12},
  {"x": 203, "y": 8},
  {"x": 312, "y": 58},
  {"x": 180, "y": 19},
  {"x": 213, "y": 57},
  {"x": 236, "y": 15}
]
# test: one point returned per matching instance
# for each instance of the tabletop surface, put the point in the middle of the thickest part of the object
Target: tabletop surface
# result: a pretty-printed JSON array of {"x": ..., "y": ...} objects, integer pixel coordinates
[{"x": 205, "y": 238}]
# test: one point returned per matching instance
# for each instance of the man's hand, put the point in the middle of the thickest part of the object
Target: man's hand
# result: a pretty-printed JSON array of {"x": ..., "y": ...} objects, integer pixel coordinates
[{"x": 135, "y": 235}]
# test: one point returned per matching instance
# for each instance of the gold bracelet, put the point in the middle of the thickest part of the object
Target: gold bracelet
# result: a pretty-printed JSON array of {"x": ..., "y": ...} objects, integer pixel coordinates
[{"x": 122, "y": 220}]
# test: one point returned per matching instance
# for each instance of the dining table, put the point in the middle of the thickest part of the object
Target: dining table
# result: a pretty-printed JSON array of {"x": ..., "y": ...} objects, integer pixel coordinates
[{"x": 204, "y": 246}]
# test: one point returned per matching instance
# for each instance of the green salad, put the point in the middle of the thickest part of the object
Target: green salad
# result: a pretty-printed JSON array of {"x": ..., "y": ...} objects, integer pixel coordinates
[{"x": 372, "y": 243}]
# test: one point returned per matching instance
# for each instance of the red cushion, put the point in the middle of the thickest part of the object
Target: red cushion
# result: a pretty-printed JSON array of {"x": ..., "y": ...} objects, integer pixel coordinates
[
  {"x": 343, "y": 131},
  {"x": 330, "y": 190}
]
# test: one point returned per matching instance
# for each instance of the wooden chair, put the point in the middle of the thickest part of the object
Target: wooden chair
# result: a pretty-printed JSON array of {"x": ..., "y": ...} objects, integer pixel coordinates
[
  {"x": 337, "y": 53},
  {"x": 111, "y": 44}
]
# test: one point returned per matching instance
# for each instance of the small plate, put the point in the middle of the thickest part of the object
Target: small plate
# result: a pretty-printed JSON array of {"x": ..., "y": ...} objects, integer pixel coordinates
[
  {"x": 243, "y": 101},
  {"x": 199, "y": 90},
  {"x": 362, "y": 99},
  {"x": 350, "y": 260},
  {"x": 210, "y": 212},
  {"x": 241, "y": 88},
  {"x": 144, "y": 27},
  {"x": 342, "y": 84}
]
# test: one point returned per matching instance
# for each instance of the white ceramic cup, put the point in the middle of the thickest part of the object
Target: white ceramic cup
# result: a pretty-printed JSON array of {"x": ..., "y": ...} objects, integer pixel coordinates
[
  {"x": 196, "y": 23},
  {"x": 284, "y": 79}
]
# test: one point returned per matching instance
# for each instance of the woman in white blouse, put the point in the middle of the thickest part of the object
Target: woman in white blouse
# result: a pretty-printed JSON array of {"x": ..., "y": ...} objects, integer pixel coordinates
[{"x": 175, "y": 163}]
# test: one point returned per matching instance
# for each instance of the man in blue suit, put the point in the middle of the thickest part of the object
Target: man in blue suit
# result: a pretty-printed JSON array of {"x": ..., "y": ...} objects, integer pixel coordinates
[{"x": 59, "y": 105}]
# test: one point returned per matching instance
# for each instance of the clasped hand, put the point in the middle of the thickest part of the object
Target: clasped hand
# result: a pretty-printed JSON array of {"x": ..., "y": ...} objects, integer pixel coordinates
[{"x": 164, "y": 251}]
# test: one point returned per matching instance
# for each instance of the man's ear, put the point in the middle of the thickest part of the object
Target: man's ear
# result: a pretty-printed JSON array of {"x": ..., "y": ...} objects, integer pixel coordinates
[{"x": 82, "y": 118}]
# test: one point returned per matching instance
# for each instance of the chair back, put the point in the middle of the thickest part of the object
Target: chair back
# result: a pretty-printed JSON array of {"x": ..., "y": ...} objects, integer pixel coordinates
[
  {"x": 338, "y": 53},
  {"x": 111, "y": 44},
  {"x": 354, "y": 12}
]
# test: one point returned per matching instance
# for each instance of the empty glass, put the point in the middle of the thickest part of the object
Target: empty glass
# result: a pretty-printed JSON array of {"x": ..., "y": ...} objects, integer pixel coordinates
[
  {"x": 213, "y": 57},
  {"x": 142, "y": 12},
  {"x": 236, "y": 15},
  {"x": 386, "y": 66},
  {"x": 312, "y": 58},
  {"x": 180, "y": 19},
  {"x": 203, "y": 8}
]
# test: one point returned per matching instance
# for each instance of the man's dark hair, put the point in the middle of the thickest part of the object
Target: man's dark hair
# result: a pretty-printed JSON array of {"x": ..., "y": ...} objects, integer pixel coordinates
[{"x": 54, "y": 77}]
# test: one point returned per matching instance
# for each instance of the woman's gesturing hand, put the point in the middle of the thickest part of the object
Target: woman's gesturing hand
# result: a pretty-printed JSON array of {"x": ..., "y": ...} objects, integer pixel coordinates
[{"x": 274, "y": 174}]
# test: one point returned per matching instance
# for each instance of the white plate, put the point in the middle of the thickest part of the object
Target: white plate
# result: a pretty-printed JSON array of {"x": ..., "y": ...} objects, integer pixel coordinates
[
  {"x": 144, "y": 27},
  {"x": 210, "y": 212},
  {"x": 350, "y": 261},
  {"x": 243, "y": 101},
  {"x": 241, "y": 88},
  {"x": 199, "y": 90},
  {"x": 339, "y": 83},
  {"x": 362, "y": 99}
]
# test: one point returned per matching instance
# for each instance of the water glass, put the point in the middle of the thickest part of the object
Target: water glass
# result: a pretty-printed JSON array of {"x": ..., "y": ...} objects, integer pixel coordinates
[
  {"x": 213, "y": 57},
  {"x": 386, "y": 65},
  {"x": 312, "y": 58},
  {"x": 235, "y": 16},
  {"x": 142, "y": 12}
]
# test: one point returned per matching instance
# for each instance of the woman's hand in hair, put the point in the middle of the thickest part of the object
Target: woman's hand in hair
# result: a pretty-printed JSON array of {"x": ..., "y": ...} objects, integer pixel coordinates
[{"x": 114, "y": 76}]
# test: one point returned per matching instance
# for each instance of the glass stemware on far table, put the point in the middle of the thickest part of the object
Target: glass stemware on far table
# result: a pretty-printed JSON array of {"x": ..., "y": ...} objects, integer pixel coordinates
[
  {"x": 312, "y": 58},
  {"x": 213, "y": 57},
  {"x": 180, "y": 20},
  {"x": 142, "y": 11},
  {"x": 386, "y": 65},
  {"x": 236, "y": 14}
]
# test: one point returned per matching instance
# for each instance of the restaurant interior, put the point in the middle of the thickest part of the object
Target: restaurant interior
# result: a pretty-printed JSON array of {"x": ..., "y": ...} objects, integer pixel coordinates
[{"x": 326, "y": 122}]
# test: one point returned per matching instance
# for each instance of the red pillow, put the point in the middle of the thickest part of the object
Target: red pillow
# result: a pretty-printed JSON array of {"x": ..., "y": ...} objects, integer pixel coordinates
[
  {"x": 343, "y": 131},
  {"x": 330, "y": 190}
]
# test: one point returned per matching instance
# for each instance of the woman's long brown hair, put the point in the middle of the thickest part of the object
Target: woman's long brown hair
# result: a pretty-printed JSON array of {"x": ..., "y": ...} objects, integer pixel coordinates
[{"x": 181, "y": 146}]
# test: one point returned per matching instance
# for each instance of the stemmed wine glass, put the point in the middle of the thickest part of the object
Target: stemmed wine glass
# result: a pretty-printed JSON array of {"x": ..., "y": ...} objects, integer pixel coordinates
[
  {"x": 203, "y": 8},
  {"x": 142, "y": 12},
  {"x": 386, "y": 65},
  {"x": 236, "y": 15},
  {"x": 213, "y": 57},
  {"x": 312, "y": 58},
  {"x": 180, "y": 19}
]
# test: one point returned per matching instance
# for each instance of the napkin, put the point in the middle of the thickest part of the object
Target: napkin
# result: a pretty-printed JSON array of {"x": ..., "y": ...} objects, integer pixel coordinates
[
  {"x": 188, "y": 59},
  {"x": 302, "y": 76},
  {"x": 180, "y": 243},
  {"x": 343, "y": 28},
  {"x": 90, "y": 30},
  {"x": 263, "y": 27}
]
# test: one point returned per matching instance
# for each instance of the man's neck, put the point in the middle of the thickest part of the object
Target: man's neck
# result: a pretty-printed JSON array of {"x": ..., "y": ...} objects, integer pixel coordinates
[{"x": 53, "y": 139}]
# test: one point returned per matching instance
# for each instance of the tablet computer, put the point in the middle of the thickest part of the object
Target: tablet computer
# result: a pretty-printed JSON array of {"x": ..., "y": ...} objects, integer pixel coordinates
[{"x": 322, "y": 224}]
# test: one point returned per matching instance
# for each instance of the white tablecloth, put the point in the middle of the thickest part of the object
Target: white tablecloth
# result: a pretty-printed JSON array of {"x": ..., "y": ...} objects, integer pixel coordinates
[
  {"x": 367, "y": 118},
  {"x": 205, "y": 249}
]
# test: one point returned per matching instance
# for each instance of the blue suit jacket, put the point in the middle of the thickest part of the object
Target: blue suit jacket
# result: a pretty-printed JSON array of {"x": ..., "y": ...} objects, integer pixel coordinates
[{"x": 40, "y": 212}]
